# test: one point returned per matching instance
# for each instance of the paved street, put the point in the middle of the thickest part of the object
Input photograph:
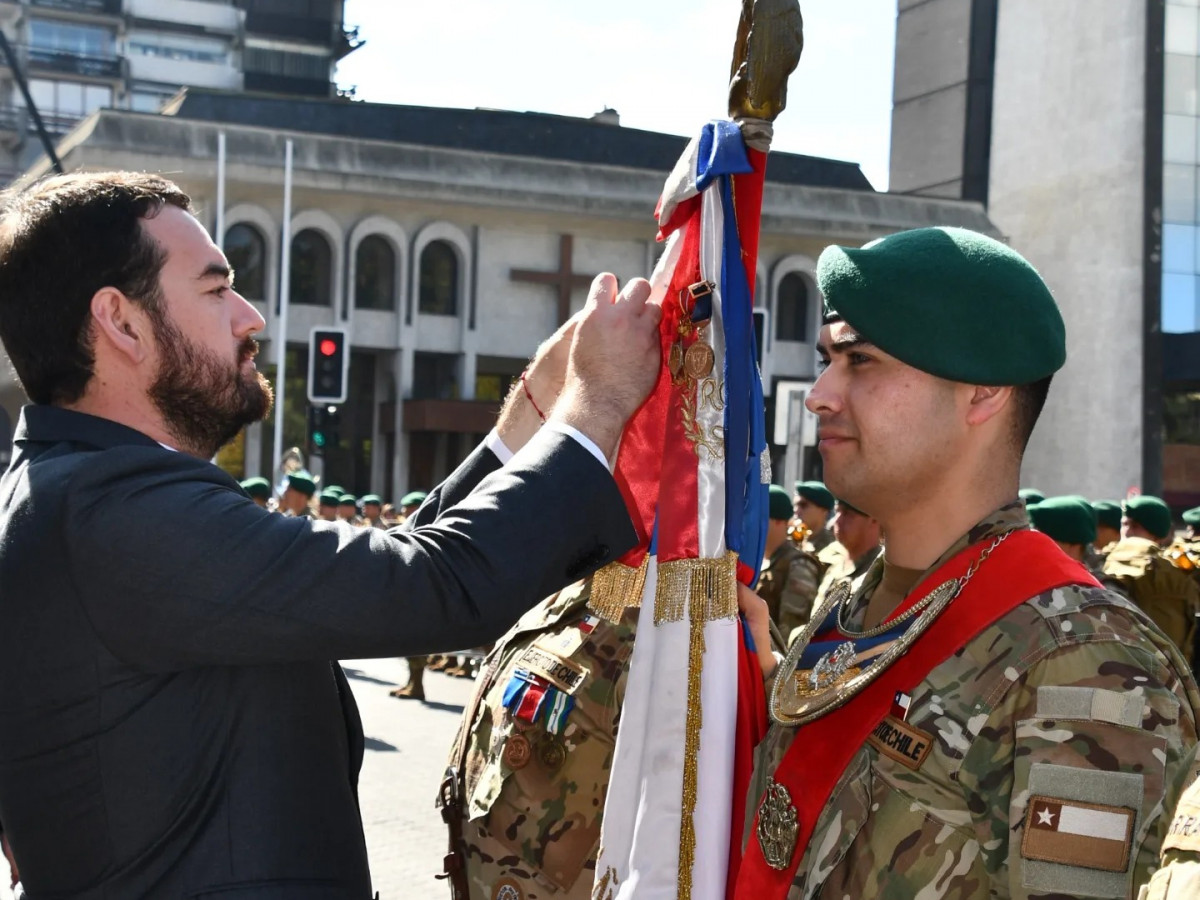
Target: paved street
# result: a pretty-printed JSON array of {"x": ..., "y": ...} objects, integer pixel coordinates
[{"x": 407, "y": 745}]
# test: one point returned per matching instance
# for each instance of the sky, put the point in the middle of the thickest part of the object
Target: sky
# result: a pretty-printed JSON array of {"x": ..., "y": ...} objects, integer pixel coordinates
[{"x": 662, "y": 64}]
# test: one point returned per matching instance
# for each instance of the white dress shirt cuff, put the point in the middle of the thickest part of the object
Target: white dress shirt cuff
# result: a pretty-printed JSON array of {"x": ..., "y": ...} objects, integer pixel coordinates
[{"x": 504, "y": 454}]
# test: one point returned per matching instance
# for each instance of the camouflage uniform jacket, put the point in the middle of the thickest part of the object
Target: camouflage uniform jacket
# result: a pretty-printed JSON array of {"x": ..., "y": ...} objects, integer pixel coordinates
[
  {"x": 845, "y": 567},
  {"x": 533, "y": 827},
  {"x": 1073, "y": 695},
  {"x": 788, "y": 582},
  {"x": 1167, "y": 594}
]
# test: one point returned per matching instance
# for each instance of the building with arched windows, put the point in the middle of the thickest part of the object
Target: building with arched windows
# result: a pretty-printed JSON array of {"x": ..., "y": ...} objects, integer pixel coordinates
[{"x": 450, "y": 243}]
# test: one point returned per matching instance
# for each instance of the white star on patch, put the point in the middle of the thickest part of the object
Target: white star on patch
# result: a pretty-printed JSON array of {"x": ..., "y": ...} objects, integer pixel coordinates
[{"x": 1045, "y": 817}]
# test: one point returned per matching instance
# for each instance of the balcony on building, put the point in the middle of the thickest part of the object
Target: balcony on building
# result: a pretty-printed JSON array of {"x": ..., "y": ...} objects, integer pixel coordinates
[
  {"x": 43, "y": 60},
  {"x": 89, "y": 7},
  {"x": 204, "y": 15},
  {"x": 164, "y": 57},
  {"x": 13, "y": 121}
]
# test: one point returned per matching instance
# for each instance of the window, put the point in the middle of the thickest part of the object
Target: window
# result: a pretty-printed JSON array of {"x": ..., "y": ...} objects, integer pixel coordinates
[
  {"x": 375, "y": 274},
  {"x": 64, "y": 102},
  {"x": 435, "y": 376},
  {"x": 188, "y": 49},
  {"x": 791, "y": 308},
  {"x": 439, "y": 279},
  {"x": 69, "y": 37},
  {"x": 311, "y": 269},
  {"x": 494, "y": 376},
  {"x": 246, "y": 251}
]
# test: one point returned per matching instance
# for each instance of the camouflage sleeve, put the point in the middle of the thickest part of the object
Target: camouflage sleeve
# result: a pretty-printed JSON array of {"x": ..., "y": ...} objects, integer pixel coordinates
[
  {"x": 1067, "y": 777},
  {"x": 796, "y": 600},
  {"x": 1179, "y": 877}
]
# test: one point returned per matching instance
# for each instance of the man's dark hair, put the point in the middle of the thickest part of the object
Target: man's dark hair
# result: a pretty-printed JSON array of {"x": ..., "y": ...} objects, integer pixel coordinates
[
  {"x": 61, "y": 240},
  {"x": 1028, "y": 400}
]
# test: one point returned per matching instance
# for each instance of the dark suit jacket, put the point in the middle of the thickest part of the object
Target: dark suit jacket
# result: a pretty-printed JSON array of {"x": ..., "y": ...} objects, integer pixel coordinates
[{"x": 170, "y": 722}]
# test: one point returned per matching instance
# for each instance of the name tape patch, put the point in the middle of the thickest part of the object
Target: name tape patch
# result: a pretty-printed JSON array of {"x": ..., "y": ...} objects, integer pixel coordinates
[
  {"x": 1073, "y": 833},
  {"x": 1184, "y": 833},
  {"x": 902, "y": 742},
  {"x": 564, "y": 674}
]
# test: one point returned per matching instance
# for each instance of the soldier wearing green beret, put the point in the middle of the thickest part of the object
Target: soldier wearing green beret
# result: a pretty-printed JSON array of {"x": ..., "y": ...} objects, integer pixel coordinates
[
  {"x": 411, "y": 502},
  {"x": 372, "y": 511},
  {"x": 347, "y": 509},
  {"x": 1069, "y": 521},
  {"x": 812, "y": 504},
  {"x": 790, "y": 575},
  {"x": 859, "y": 535},
  {"x": 327, "y": 505},
  {"x": 1108, "y": 523},
  {"x": 1137, "y": 567},
  {"x": 298, "y": 494},
  {"x": 1006, "y": 667},
  {"x": 259, "y": 490}
]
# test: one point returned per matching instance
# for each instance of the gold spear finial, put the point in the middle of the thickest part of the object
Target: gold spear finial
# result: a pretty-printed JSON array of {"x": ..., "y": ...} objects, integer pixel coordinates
[{"x": 769, "y": 41}]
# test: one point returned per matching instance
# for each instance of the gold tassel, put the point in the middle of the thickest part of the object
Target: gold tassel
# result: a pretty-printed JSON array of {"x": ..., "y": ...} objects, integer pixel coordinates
[
  {"x": 705, "y": 587},
  {"x": 691, "y": 755},
  {"x": 617, "y": 587}
]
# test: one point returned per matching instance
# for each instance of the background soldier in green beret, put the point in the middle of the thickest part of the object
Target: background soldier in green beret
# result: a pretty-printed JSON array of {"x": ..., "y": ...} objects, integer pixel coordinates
[
  {"x": 347, "y": 509},
  {"x": 298, "y": 495},
  {"x": 1137, "y": 567},
  {"x": 1108, "y": 524},
  {"x": 372, "y": 510},
  {"x": 939, "y": 346},
  {"x": 859, "y": 534},
  {"x": 812, "y": 505},
  {"x": 534, "y": 751},
  {"x": 327, "y": 504},
  {"x": 1031, "y": 495},
  {"x": 1069, "y": 521},
  {"x": 790, "y": 575},
  {"x": 411, "y": 502},
  {"x": 259, "y": 490}
]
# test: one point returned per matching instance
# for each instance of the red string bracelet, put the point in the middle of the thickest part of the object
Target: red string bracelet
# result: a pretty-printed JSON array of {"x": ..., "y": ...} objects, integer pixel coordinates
[{"x": 532, "y": 402}]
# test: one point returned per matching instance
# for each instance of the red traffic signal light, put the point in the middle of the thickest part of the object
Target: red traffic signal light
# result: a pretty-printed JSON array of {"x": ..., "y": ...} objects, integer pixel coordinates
[{"x": 328, "y": 365}]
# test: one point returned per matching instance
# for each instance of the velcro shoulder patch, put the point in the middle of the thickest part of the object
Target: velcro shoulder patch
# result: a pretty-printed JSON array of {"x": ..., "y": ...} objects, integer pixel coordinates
[{"x": 1091, "y": 704}]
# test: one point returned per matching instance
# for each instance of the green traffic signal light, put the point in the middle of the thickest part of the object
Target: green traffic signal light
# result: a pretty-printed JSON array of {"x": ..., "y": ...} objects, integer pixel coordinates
[{"x": 318, "y": 438}]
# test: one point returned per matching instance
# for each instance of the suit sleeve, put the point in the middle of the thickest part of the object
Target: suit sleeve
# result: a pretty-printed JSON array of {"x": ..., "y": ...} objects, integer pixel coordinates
[
  {"x": 177, "y": 568},
  {"x": 481, "y": 463}
]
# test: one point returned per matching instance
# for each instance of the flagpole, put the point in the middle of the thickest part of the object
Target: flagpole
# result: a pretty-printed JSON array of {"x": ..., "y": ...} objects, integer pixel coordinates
[
  {"x": 281, "y": 319},
  {"x": 219, "y": 237}
]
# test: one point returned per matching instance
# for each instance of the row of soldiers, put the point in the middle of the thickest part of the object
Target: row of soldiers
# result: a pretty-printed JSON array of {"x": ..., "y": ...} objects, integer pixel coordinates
[{"x": 300, "y": 497}]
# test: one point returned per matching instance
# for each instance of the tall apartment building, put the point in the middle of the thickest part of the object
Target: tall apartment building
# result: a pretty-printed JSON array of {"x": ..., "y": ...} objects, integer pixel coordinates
[
  {"x": 1075, "y": 122},
  {"x": 79, "y": 56}
]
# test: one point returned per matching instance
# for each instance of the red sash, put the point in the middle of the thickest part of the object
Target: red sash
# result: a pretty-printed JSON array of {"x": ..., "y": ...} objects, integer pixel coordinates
[{"x": 1027, "y": 564}]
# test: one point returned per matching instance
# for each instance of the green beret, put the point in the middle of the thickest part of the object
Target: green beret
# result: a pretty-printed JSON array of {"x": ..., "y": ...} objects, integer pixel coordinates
[
  {"x": 1151, "y": 513},
  {"x": 1108, "y": 513},
  {"x": 815, "y": 492},
  {"x": 1192, "y": 517},
  {"x": 851, "y": 507},
  {"x": 257, "y": 487},
  {"x": 348, "y": 500},
  {"x": 950, "y": 302},
  {"x": 333, "y": 489},
  {"x": 780, "y": 504},
  {"x": 329, "y": 498},
  {"x": 372, "y": 498},
  {"x": 1066, "y": 519},
  {"x": 1031, "y": 495},
  {"x": 303, "y": 482},
  {"x": 413, "y": 498}
]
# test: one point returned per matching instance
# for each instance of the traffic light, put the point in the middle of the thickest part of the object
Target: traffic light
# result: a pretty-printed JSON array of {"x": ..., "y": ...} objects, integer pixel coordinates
[
  {"x": 328, "y": 362},
  {"x": 323, "y": 429}
]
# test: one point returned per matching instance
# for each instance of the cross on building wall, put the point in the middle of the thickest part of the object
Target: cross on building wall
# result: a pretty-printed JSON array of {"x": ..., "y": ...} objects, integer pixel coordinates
[{"x": 564, "y": 280}]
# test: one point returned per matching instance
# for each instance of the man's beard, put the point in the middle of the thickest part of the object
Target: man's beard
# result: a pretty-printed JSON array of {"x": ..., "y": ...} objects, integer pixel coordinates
[{"x": 205, "y": 401}]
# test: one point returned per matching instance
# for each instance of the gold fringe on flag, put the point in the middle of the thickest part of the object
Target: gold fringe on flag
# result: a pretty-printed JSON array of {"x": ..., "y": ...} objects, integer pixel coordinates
[
  {"x": 707, "y": 588},
  {"x": 691, "y": 756},
  {"x": 617, "y": 587}
]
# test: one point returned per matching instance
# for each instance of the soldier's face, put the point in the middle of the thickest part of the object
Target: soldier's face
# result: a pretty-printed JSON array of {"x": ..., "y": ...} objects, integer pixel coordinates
[{"x": 888, "y": 433}]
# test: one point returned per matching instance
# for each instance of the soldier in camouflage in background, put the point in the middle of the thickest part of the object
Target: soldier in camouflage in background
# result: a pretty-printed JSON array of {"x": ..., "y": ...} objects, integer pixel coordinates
[
  {"x": 1045, "y": 719},
  {"x": 525, "y": 790},
  {"x": 789, "y": 577}
]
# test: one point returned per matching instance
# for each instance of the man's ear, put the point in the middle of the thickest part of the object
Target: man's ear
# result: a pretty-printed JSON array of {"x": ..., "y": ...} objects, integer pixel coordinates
[
  {"x": 122, "y": 324},
  {"x": 986, "y": 402}
]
